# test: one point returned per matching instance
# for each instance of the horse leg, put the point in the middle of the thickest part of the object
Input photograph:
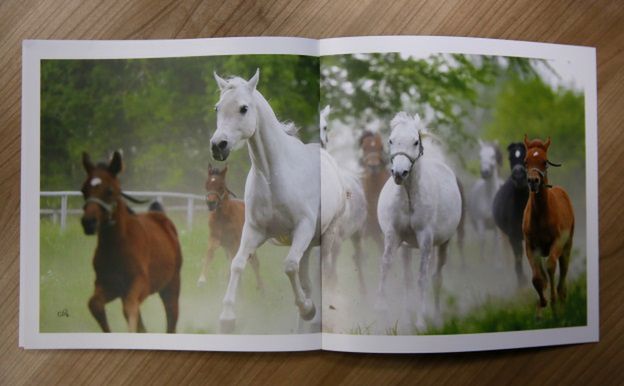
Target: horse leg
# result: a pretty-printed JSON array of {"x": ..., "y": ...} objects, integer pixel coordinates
[
  {"x": 516, "y": 245},
  {"x": 408, "y": 278},
  {"x": 250, "y": 240},
  {"x": 356, "y": 239},
  {"x": 213, "y": 244},
  {"x": 302, "y": 237},
  {"x": 481, "y": 235},
  {"x": 538, "y": 278},
  {"x": 255, "y": 264},
  {"x": 437, "y": 278},
  {"x": 96, "y": 306},
  {"x": 328, "y": 251},
  {"x": 306, "y": 285},
  {"x": 425, "y": 242},
  {"x": 139, "y": 289},
  {"x": 551, "y": 266},
  {"x": 391, "y": 245},
  {"x": 170, "y": 298},
  {"x": 564, "y": 263}
]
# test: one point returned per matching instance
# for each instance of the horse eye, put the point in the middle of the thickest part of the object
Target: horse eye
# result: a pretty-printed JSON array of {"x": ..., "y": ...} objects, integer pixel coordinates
[
  {"x": 390, "y": 141},
  {"x": 416, "y": 143},
  {"x": 243, "y": 109}
]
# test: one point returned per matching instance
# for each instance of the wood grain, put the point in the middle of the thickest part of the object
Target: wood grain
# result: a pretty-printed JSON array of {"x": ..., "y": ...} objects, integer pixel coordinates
[{"x": 595, "y": 23}]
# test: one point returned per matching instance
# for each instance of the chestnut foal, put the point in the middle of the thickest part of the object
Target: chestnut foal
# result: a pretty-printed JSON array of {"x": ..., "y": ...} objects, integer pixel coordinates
[
  {"x": 548, "y": 224},
  {"x": 227, "y": 216},
  {"x": 136, "y": 254}
]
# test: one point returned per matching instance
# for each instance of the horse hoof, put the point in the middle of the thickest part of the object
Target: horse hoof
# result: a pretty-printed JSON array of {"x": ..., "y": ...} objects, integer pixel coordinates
[
  {"x": 308, "y": 311},
  {"x": 226, "y": 326}
]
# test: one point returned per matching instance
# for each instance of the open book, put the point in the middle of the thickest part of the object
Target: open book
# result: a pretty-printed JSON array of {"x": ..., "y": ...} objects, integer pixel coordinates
[{"x": 373, "y": 194}]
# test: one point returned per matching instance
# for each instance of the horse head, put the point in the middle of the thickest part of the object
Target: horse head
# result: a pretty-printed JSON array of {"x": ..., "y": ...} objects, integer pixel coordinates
[
  {"x": 373, "y": 155},
  {"x": 101, "y": 191},
  {"x": 405, "y": 145},
  {"x": 536, "y": 162},
  {"x": 490, "y": 158},
  {"x": 216, "y": 190},
  {"x": 236, "y": 114},
  {"x": 517, "y": 154}
]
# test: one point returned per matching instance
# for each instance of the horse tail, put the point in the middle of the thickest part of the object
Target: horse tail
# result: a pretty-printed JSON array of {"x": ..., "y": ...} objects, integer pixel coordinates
[{"x": 156, "y": 206}]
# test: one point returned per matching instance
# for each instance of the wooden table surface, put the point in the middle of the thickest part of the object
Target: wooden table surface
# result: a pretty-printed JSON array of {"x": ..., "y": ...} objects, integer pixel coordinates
[{"x": 599, "y": 24}]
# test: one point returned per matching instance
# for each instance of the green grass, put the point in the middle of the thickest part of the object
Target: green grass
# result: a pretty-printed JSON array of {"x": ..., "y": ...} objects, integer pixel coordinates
[
  {"x": 519, "y": 313},
  {"x": 67, "y": 277}
]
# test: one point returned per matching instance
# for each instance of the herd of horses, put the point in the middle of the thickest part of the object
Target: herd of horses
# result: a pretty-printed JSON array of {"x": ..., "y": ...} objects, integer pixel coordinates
[{"x": 404, "y": 197}]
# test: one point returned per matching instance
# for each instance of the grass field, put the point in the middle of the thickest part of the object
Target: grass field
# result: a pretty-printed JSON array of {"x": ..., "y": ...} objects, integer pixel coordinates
[
  {"x": 67, "y": 277},
  {"x": 482, "y": 297},
  {"x": 479, "y": 298}
]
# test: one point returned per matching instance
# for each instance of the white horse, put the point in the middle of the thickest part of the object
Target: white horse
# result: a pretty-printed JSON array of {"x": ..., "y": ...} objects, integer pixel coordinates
[
  {"x": 420, "y": 206},
  {"x": 481, "y": 197},
  {"x": 351, "y": 222},
  {"x": 282, "y": 191}
]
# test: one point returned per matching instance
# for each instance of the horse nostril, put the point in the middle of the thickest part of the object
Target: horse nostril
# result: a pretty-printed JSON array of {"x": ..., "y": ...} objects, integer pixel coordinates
[
  {"x": 222, "y": 145},
  {"x": 404, "y": 174}
]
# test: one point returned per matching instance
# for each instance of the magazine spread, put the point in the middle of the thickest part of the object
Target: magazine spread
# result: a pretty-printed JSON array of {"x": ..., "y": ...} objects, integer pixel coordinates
[{"x": 370, "y": 194}]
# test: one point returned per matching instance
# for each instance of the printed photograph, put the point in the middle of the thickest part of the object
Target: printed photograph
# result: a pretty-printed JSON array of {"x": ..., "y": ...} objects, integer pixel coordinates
[
  {"x": 463, "y": 178},
  {"x": 180, "y": 195}
]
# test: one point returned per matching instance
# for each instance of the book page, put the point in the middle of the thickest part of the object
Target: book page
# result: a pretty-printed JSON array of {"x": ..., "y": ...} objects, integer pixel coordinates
[
  {"x": 145, "y": 166},
  {"x": 430, "y": 253}
]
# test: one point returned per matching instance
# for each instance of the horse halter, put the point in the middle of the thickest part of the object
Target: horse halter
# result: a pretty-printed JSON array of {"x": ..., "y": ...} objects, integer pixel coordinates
[
  {"x": 220, "y": 196},
  {"x": 543, "y": 173},
  {"x": 108, "y": 208},
  {"x": 411, "y": 159}
]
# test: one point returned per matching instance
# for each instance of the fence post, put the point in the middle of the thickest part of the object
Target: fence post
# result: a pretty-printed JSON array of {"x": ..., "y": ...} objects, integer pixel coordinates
[
  {"x": 63, "y": 212},
  {"x": 189, "y": 213}
]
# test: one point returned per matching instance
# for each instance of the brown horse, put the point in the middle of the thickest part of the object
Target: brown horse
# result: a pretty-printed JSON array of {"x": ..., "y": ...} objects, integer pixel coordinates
[
  {"x": 136, "y": 254},
  {"x": 226, "y": 219},
  {"x": 548, "y": 224},
  {"x": 376, "y": 173}
]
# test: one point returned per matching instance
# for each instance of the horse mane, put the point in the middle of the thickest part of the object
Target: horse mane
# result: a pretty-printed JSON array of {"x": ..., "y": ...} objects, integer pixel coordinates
[
  {"x": 235, "y": 81},
  {"x": 401, "y": 117}
]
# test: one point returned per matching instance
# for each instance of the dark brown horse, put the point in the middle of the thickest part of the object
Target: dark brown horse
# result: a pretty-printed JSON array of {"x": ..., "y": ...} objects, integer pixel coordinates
[
  {"x": 376, "y": 173},
  {"x": 548, "y": 224},
  {"x": 136, "y": 254},
  {"x": 226, "y": 219}
]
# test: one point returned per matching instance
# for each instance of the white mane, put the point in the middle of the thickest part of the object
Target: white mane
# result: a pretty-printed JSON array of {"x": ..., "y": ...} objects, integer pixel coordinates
[
  {"x": 234, "y": 82},
  {"x": 432, "y": 144}
]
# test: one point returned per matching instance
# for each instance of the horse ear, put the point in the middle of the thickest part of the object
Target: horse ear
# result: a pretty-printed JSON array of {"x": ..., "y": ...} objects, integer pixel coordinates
[
  {"x": 526, "y": 142},
  {"x": 547, "y": 143},
  {"x": 222, "y": 83},
  {"x": 325, "y": 111},
  {"x": 86, "y": 162},
  {"x": 417, "y": 118},
  {"x": 209, "y": 167},
  {"x": 224, "y": 169},
  {"x": 116, "y": 164},
  {"x": 253, "y": 82},
  {"x": 481, "y": 143}
]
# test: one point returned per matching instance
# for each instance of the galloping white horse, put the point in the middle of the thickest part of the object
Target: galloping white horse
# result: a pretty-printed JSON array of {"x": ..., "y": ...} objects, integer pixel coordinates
[
  {"x": 282, "y": 191},
  {"x": 420, "y": 206},
  {"x": 482, "y": 194},
  {"x": 351, "y": 222}
]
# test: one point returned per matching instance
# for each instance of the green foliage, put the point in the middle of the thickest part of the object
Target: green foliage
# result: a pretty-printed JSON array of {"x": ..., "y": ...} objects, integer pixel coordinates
[
  {"x": 532, "y": 107},
  {"x": 160, "y": 113}
]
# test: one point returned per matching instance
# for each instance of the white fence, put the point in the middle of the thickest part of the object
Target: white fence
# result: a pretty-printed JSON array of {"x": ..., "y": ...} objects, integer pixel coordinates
[{"x": 61, "y": 212}]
